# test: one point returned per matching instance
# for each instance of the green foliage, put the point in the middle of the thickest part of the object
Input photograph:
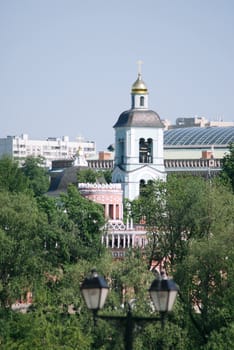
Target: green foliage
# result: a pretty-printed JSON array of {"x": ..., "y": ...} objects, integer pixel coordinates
[
  {"x": 20, "y": 242},
  {"x": 221, "y": 340},
  {"x": 11, "y": 177},
  {"x": 40, "y": 245},
  {"x": 107, "y": 174},
  {"x": 228, "y": 166},
  {"x": 89, "y": 219},
  {"x": 39, "y": 331},
  {"x": 31, "y": 176},
  {"x": 37, "y": 240},
  {"x": 190, "y": 224},
  {"x": 86, "y": 176},
  {"x": 93, "y": 176},
  {"x": 153, "y": 337},
  {"x": 49, "y": 245},
  {"x": 36, "y": 174},
  {"x": 206, "y": 274}
]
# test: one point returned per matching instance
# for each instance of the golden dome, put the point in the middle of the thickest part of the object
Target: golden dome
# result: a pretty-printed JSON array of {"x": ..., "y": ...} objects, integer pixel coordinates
[{"x": 139, "y": 86}]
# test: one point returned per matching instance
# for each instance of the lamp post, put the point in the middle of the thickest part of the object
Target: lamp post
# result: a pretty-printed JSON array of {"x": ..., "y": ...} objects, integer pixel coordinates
[{"x": 162, "y": 292}]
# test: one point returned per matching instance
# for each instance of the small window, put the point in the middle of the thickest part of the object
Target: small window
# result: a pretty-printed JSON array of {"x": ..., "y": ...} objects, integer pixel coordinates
[
  {"x": 145, "y": 151},
  {"x": 142, "y": 101},
  {"x": 142, "y": 186}
]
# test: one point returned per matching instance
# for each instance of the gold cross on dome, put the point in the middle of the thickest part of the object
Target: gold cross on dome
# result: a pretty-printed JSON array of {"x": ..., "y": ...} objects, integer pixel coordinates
[{"x": 139, "y": 64}]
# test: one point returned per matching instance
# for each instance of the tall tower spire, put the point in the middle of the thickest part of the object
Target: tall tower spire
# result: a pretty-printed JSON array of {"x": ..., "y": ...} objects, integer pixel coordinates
[{"x": 139, "y": 91}]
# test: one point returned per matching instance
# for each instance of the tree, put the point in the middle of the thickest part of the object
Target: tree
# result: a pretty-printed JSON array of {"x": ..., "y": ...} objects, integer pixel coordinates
[
  {"x": 206, "y": 283},
  {"x": 39, "y": 253},
  {"x": 129, "y": 281},
  {"x": 175, "y": 212},
  {"x": 36, "y": 174},
  {"x": 43, "y": 330},
  {"x": 222, "y": 340},
  {"x": 228, "y": 166},
  {"x": 49, "y": 245},
  {"x": 86, "y": 176},
  {"x": 88, "y": 217},
  {"x": 92, "y": 176},
  {"x": 190, "y": 225},
  {"x": 21, "y": 245},
  {"x": 37, "y": 240},
  {"x": 11, "y": 177},
  {"x": 107, "y": 175}
]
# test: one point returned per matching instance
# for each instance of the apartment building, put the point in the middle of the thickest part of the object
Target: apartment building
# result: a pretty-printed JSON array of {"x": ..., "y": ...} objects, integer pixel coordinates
[{"x": 52, "y": 148}]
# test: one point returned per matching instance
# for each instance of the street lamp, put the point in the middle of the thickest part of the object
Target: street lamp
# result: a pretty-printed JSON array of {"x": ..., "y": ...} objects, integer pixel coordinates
[
  {"x": 162, "y": 292},
  {"x": 94, "y": 290}
]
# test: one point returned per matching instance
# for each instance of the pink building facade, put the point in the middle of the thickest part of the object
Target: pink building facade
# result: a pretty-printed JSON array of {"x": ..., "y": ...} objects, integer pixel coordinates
[
  {"x": 109, "y": 195},
  {"x": 118, "y": 236}
]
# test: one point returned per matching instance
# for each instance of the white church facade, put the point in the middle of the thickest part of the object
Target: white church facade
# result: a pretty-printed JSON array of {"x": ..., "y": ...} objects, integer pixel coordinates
[{"x": 138, "y": 144}]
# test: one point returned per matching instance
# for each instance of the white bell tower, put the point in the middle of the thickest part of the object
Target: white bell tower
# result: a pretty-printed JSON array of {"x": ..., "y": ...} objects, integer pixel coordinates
[{"x": 138, "y": 143}]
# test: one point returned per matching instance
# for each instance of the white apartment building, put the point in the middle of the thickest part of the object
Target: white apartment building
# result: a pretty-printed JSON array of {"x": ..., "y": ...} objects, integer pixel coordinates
[
  {"x": 201, "y": 122},
  {"x": 53, "y": 148}
]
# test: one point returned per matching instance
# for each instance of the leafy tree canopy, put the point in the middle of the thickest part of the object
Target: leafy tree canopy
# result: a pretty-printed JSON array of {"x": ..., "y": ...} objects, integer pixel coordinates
[
  {"x": 93, "y": 176},
  {"x": 49, "y": 245},
  {"x": 37, "y": 175},
  {"x": 86, "y": 176},
  {"x": 228, "y": 166},
  {"x": 88, "y": 217},
  {"x": 190, "y": 225},
  {"x": 11, "y": 177}
]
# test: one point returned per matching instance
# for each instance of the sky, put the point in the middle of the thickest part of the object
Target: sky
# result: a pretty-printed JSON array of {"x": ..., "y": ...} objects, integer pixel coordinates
[{"x": 67, "y": 66}]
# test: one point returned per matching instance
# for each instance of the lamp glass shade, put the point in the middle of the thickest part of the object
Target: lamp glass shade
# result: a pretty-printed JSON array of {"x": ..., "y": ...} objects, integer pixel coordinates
[
  {"x": 94, "y": 290},
  {"x": 95, "y": 298},
  {"x": 163, "y": 294}
]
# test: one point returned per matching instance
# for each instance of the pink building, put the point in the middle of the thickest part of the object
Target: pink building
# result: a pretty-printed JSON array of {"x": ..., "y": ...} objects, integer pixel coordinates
[
  {"x": 118, "y": 236},
  {"x": 109, "y": 195}
]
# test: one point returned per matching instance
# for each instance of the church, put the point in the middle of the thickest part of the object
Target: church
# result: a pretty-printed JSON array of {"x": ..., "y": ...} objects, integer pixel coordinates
[
  {"x": 138, "y": 159},
  {"x": 138, "y": 144}
]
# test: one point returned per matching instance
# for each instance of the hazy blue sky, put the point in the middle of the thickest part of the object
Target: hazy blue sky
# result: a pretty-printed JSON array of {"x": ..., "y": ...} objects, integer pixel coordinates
[{"x": 67, "y": 66}]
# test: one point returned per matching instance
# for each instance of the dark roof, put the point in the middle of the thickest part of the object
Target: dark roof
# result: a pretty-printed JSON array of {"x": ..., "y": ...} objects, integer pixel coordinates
[
  {"x": 215, "y": 135},
  {"x": 139, "y": 118},
  {"x": 60, "y": 179}
]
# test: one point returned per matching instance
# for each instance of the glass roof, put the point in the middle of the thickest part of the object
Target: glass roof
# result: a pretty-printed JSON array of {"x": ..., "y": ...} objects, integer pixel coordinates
[{"x": 199, "y": 136}]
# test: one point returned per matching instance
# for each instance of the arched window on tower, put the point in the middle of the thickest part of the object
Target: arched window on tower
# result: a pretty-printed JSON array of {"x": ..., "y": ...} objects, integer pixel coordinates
[
  {"x": 121, "y": 151},
  {"x": 145, "y": 151},
  {"x": 150, "y": 150},
  {"x": 150, "y": 183},
  {"x": 142, "y": 186},
  {"x": 142, "y": 101}
]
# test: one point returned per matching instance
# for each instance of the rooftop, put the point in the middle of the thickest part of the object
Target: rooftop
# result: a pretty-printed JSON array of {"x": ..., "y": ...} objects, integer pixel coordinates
[{"x": 199, "y": 136}]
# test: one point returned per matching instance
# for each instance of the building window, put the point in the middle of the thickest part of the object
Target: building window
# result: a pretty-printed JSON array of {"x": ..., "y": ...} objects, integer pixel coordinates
[
  {"x": 142, "y": 101},
  {"x": 111, "y": 211},
  {"x": 121, "y": 151},
  {"x": 146, "y": 151},
  {"x": 142, "y": 186}
]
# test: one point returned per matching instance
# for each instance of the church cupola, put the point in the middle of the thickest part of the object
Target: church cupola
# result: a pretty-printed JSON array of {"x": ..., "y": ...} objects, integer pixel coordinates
[{"x": 139, "y": 92}]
